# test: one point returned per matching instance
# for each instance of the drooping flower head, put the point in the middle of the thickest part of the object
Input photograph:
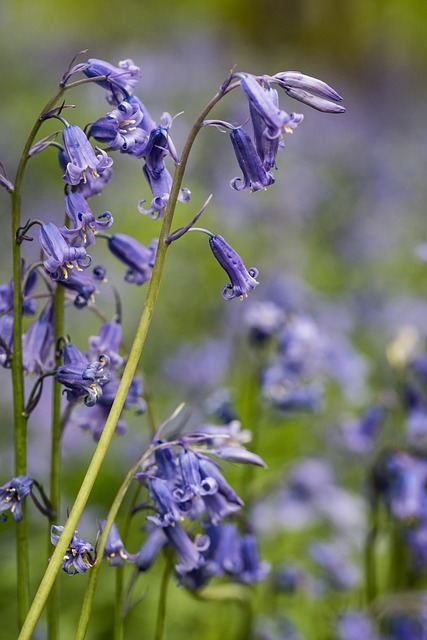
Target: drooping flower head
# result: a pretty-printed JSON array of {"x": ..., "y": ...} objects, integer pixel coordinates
[
  {"x": 38, "y": 341},
  {"x": 242, "y": 279},
  {"x": 120, "y": 129},
  {"x": 81, "y": 378},
  {"x": 85, "y": 225},
  {"x": 12, "y": 494},
  {"x": 80, "y": 555},
  {"x": 61, "y": 255},
  {"x": 120, "y": 80},
  {"x": 83, "y": 284},
  {"x": 82, "y": 157},
  {"x": 255, "y": 176},
  {"x": 138, "y": 258},
  {"x": 115, "y": 551}
]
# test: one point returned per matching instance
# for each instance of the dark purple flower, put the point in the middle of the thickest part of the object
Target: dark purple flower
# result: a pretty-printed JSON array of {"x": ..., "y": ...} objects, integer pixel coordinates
[
  {"x": 151, "y": 548},
  {"x": 61, "y": 256},
  {"x": 253, "y": 570},
  {"x": 120, "y": 129},
  {"x": 160, "y": 185},
  {"x": 85, "y": 225},
  {"x": 400, "y": 480},
  {"x": 158, "y": 147},
  {"x": 120, "y": 80},
  {"x": 37, "y": 343},
  {"x": 188, "y": 552},
  {"x": 82, "y": 157},
  {"x": 107, "y": 342},
  {"x": 264, "y": 102},
  {"x": 255, "y": 176},
  {"x": 311, "y": 91},
  {"x": 242, "y": 280},
  {"x": 80, "y": 555},
  {"x": 115, "y": 551},
  {"x": 81, "y": 377},
  {"x": 12, "y": 494},
  {"x": 147, "y": 123},
  {"x": 6, "y": 294},
  {"x": 139, "y": 259},
  {"x": 84, "y": 284},
  {"x": 6, "y": 342},
  {"x": 193, "y": 484},
  {"x": 93, "y": 418},
  {"x": 165, "y": 503}
]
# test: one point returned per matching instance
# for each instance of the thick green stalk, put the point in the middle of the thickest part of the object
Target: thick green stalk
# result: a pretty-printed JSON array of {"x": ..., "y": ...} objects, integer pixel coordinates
[
  {"x": 116, "y": 409},
  {"x": 53, "y": 608}
]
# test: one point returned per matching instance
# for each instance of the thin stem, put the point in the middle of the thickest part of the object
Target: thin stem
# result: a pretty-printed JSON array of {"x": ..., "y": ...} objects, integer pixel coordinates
[
  {"x": 53, "y": 606},
  {"x": 90, "y": 591},
  {"x": 20, "y": 419},
  {"x": 163, "y": 595},
  {"x": 116, "y": 409}
]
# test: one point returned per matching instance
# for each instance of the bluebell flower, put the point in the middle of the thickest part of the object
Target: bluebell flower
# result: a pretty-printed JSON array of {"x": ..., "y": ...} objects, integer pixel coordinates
[
  {"x": 416, "y": 418},
  {"x": 224, "y": 552},
  {"x": 164, "y": 501},
  {"x": 242, "y": 279},
  {"x": 399, "y": 479},
  {"x": 120, "y": 80},
  {"x": 29, "y": 306},
  {"x": 151, "y": 548},
  {"x": 160, "y": 185},
  {"x": 359, "y": 435},
  {"x": 107, "y": 342},
  {"x": 82, "y": 378},
  {"x": 85, "y": 225},
  {"x": 158, "y": 147},
  {"x": 38, "y": 341},
  {"x": 354, "y": 625},
  {"x": 6, "y": 343},
  {"x": 82, "y": 157},
  {"x": 211, "y": 474},
  {"x": 120, "y": 129},
  {"x": 93, "y": 418},
  {"x": 147, "y": 123},
  {"x": 61, "y": 255},
  {"x": 138, "y": 258},
  {"x": 311, "y": 91},
  {"x": 193, "y": 484},
  {"x": 253, "y": 570},
  {"x": 188, "y": 553},
  {"x": 83, "y": 284},
  {"x": 12, "y": 494},
  {"x": 115, "y": 551},
  {"x": 264, "y": 102},
  {"x": 255, "y": 176},
  {"x": 80, "y": 555}
]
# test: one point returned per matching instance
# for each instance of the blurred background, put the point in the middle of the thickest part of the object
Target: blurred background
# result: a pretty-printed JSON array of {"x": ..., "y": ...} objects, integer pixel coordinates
[{"x": 336, "y": 235}]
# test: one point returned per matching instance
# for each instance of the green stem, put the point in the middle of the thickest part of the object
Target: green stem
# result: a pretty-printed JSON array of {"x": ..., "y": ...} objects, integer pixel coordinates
[
  {"x": 163, "y": 595},
  {"x": 90, "y": 591},
  {"x": 116, "y": 409},
  {"x": 55, "y": 469},
  {"x": 20, "y": 419},
  {"x": 119, "y": 600}
]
